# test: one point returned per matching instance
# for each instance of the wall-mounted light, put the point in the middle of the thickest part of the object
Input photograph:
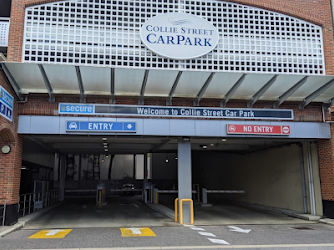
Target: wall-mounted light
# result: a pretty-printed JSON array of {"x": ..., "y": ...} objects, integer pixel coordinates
[{"x": 5, "y": 149}]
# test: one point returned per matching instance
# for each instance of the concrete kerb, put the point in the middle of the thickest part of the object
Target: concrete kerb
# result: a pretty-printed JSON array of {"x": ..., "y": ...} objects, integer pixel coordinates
[{"x": 22, "y": 221}]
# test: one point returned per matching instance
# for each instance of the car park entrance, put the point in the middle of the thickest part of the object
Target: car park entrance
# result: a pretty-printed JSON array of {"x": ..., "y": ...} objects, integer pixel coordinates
[{"x": 233, "y": 171}]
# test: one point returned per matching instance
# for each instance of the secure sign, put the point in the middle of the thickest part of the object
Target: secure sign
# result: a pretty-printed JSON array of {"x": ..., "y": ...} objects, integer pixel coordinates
[
  {"x": 179, "y": 36},
  {"x": 96, "y": 126},
  {"x": 6, "y": 104},
  {"x": 258, "y": 129}
]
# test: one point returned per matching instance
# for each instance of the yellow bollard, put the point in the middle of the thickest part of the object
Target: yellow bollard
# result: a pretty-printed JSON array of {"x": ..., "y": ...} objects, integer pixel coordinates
[
  {"x": 191, "y": 210},
  {"x": 176, "y": 206}
]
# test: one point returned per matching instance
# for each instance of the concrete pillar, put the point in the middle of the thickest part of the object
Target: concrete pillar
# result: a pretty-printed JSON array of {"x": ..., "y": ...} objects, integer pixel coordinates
[
  {"x": 184, "y": 176},
  {"x": 62, "y": 177}
]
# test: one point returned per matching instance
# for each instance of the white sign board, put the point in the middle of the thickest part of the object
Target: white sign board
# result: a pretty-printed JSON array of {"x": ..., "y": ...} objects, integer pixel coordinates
[{"x": 179, "y": 36}]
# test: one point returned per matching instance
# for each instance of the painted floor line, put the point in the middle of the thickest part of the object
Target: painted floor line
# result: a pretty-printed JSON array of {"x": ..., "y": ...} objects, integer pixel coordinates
[
  {"x": 203, "y": 247},
  {"x": 207, "y": 234},
  {"x": 197, "y": 229},
  {"x": 218, "y": 241}
]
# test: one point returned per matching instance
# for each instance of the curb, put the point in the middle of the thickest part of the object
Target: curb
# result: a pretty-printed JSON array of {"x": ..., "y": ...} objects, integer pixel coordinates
[{"x": 22, "y": 221}]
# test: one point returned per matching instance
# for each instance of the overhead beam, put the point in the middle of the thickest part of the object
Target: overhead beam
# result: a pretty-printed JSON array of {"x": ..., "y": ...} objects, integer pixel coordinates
[
  {"x": 12, "y": 81},
  {"x": 160, "y": 145},
  {"x": 81, "y": 88},
  {"x": 47, "y": 83},
  {"x": 258, "y": 94},
  {"x": 172, "y": 91},
  {"x": 203, "y": 89},
  {"x": 143, "y": 87},
  {"x": 289, "y": 92},
  {"x": 231, "y": 92},
  {"x": 112, "y": 86},
  {"x": 316, "y": 93}
]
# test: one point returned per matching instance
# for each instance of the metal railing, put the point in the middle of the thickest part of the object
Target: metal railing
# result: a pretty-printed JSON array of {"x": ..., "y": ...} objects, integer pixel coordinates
[
  {"x": 29, "y": 203},
  {"x": 2, "y": 212}
]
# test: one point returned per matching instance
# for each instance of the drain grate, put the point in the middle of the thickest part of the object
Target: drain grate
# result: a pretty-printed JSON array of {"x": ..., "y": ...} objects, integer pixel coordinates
[{"x": 303, "y": 228}]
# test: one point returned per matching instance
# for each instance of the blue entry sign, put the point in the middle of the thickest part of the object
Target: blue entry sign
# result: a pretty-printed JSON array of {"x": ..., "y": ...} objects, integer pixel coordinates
[
  {"x": 95, "y": 126},
  {"x": 6, "y": 104}
]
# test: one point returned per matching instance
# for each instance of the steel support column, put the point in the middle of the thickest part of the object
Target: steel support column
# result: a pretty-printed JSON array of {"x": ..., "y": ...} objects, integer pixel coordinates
[{"x": 184, "y": 176}]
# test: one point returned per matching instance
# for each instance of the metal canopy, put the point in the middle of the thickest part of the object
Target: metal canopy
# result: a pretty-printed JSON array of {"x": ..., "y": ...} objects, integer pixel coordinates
[{"x": 53, "y": 79}]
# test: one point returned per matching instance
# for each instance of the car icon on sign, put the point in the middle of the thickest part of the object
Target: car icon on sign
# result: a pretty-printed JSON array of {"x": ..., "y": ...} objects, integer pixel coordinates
[{"x": 73, "y": 125}]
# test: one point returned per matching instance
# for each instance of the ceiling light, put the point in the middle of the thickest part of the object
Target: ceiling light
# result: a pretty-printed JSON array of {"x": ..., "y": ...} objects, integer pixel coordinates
[
  {"x": 106, "y": 150},
  {"x": 23, "y": 167},
  {"x": 203, "y": 146},
  {"x": 175, "y": 158},
  {"x": 105, "y": 143},
  {"x": 212, "y": 144},
  {"x": 104, "y": 139},
  {"x": 107, "y": 156},
  {"x": 105, "y": 146},
  {"x": 167, "y": 160},
  {"x": 224, "y": 139}
]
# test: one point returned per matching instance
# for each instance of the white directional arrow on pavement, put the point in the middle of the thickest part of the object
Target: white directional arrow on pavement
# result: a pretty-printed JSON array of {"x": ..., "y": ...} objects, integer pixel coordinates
[
  {"x": 239, "y": 230},
  {"x": 53, "y": 232},
  {"x": 134, "y": 230}
]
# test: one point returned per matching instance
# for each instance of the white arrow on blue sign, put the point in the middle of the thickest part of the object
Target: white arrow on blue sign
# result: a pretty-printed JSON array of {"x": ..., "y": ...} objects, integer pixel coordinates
[
  {"x": 96, "y": 126},
  {"x": 6, "y": 104}
]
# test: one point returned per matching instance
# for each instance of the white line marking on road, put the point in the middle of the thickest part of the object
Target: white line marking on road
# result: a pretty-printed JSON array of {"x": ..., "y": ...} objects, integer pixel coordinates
[
  {"x": 207, "y": 234},
  {"x": 219, "y": 241},
  {"x": 53, "y": 232},
  {"x": 239, "y": 230},
  {"x": 197, "y": 229}
]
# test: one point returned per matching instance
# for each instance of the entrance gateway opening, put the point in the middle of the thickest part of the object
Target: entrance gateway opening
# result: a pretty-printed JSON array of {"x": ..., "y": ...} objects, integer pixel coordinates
[{"x": 119, "y": 181}]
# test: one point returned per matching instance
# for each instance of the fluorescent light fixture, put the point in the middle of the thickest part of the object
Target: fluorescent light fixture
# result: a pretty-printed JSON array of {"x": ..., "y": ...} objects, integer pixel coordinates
[
  {"x": 105, "y": 146},
  {"x": 105, "y": 150},
  {"x": 212, "y": 144},
  {"x": 204, "y": 146},
  {"x": 105, "y": 143},
  {"x": 23, "y": 167},
  {"x": 104, "y": 139},
  {"x": 224, "y": 139}
]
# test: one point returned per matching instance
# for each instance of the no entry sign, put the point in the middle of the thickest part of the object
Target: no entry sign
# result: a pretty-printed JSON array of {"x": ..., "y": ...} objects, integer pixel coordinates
[{"x": 239, "y": 129}]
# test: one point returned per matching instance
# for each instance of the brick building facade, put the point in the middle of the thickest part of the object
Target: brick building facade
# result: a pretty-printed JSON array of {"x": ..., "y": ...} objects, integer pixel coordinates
[{"x": 316, "y": 12}]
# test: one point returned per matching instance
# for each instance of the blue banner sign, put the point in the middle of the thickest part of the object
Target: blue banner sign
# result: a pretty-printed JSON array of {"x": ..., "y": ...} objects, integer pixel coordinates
[
  {"x": 173, "y": 111},
  {"x": 76, "y": 108},
  {"x": 6, "y": 104},
  {"x": 95, "y": 126},
  {"x": 6, "y": 98}
]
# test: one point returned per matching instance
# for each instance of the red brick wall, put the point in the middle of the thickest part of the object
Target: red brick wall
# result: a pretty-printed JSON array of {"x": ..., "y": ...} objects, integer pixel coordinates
[
  {"x": 326, "y": 164},
  {"x": 318, "y": 12},
  {"x": 10, "y": 164}
]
